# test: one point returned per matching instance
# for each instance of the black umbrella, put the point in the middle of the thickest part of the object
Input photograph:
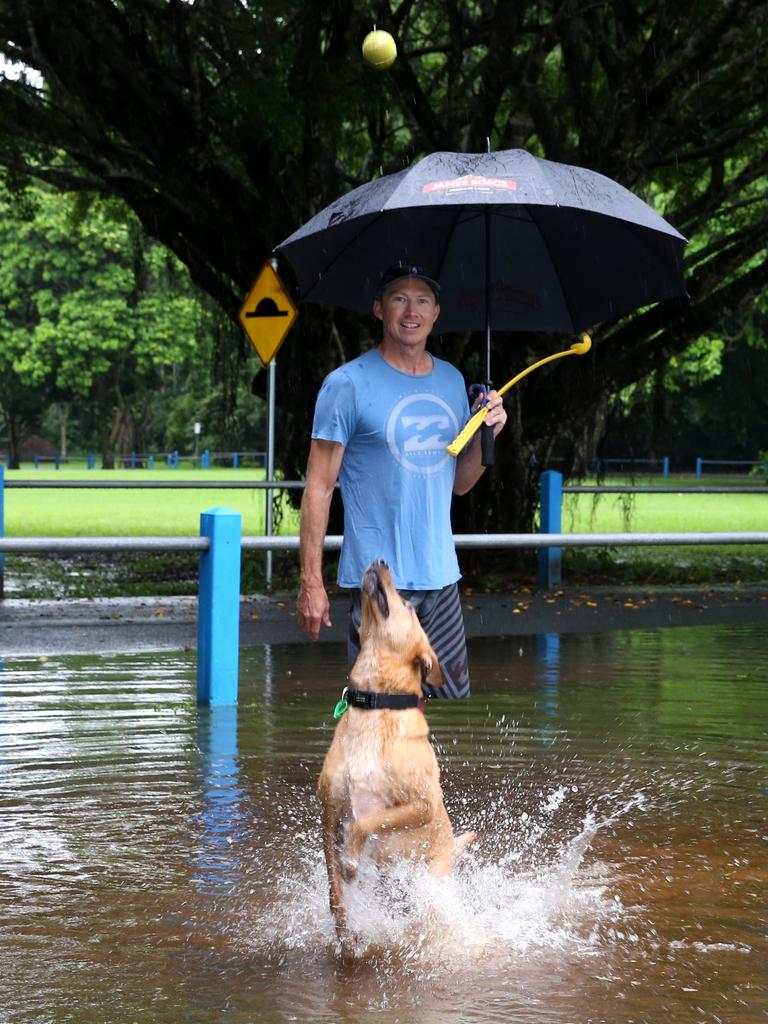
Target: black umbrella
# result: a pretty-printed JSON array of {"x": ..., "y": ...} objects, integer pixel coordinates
[{"x": 517, "y": 243}]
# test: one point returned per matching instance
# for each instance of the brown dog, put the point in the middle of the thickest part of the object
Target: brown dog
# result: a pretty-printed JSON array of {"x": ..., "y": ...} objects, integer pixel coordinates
[{"x": 380, "y": 782}]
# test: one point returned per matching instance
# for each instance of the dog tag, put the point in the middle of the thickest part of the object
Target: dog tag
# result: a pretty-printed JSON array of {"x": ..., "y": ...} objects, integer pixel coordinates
[{"x": 340, "y": 708}]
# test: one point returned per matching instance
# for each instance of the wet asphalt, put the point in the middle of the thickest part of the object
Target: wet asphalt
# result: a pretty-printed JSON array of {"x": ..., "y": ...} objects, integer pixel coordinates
[{"x": 101, "y": 625}]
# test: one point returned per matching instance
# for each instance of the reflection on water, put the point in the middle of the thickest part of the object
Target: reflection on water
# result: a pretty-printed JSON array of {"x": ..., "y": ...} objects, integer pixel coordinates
[
  {"x": 162, "y": 862},
  {"x": 221, "y": 821}
]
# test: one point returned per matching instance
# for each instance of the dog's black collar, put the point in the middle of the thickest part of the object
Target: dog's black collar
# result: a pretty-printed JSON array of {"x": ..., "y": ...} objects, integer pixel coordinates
[{"x": 371, "y": 701}]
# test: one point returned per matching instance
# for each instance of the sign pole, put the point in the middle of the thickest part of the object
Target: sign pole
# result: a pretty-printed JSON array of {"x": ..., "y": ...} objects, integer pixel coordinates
[
  {"x": 271, "y": 371},
  {"x": 266, "y": 316}
]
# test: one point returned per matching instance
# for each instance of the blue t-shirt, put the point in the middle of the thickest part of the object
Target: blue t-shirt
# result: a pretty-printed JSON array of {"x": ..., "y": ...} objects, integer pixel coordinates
[{"x": 396, "y": 476}]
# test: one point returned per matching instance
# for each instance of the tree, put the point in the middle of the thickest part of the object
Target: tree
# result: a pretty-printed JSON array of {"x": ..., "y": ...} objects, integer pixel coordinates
[
  {"x": 89, "y": 310},
  {"x": 225, "y": 125},
  {"x": 21, "y": 407},
  {"x": 22, "y": 403},
  {"x": 710, "y": 401}
]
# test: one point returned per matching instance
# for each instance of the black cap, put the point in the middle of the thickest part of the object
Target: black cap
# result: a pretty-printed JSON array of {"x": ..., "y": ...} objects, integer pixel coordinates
[{"x": 402, "y": 269}]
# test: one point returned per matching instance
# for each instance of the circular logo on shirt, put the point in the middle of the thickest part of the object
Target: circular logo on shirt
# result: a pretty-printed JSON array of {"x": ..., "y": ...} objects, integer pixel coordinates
[{"x": 418, "y": 430}]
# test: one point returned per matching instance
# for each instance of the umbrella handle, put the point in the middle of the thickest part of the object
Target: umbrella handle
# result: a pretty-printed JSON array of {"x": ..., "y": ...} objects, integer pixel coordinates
[
  {"x": 486, "y": 445},
  {"x": 578, "y": 348}
]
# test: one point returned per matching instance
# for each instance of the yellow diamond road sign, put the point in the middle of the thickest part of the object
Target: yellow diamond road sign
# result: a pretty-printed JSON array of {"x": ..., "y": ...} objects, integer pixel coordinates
[{"x": 267, "y": 314}]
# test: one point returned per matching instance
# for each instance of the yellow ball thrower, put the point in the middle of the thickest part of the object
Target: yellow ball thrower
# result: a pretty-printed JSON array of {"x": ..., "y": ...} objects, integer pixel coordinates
[{"x": 578, "y": 348}]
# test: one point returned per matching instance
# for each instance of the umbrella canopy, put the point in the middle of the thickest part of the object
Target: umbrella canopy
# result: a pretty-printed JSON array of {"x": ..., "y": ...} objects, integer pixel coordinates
[{"x": 516, "y": 242}]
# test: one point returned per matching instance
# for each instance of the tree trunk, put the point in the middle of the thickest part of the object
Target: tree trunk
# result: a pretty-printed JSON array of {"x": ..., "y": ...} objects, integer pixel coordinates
[
  {"x": 122, "y": 438},
  {"x": 103, "y": 398},
  {"x": 15, "y": 437},
  {"x": 65, "y": 407}
]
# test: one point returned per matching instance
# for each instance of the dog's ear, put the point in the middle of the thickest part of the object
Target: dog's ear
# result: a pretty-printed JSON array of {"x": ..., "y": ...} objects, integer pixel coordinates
[{"x": 430, "y": 665}]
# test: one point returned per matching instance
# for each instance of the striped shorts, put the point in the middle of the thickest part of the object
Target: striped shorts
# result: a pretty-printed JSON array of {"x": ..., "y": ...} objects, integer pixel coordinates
[{"x": 440, "y": 615}]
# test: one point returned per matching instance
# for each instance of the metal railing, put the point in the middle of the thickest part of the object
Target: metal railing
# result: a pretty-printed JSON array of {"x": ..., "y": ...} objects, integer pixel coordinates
[
  {"x": 220, "y": 545},
  {"x": 660, "y": 489},
  {"x": 549, "y": 541},
  {"x": 288, "y": 485},
  {"x": 148, "y": 460},
  {"x": 465, "y": 541},
  {"x": 171, "y": 485}
]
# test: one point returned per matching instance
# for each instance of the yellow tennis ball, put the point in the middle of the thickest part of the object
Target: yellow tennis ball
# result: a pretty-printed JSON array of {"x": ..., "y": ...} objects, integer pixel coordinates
[{"x": 379, "y": 50}]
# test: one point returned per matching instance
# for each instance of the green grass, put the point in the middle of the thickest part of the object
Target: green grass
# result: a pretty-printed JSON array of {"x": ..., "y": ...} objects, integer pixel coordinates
[
  {"x": 82, "y": 513},
  {"x": 661, "y": 513},
  {"x": 94, "y": 513},
  {"x": 678, "y": 512}
]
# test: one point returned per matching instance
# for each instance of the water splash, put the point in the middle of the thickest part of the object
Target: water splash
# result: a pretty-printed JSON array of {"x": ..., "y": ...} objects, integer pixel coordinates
[{"x": 493, "y": 908}]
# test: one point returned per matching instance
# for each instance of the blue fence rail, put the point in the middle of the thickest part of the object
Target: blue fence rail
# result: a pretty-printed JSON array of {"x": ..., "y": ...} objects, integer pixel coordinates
[
  {"x": 149, "y": 460},
  {"x": 663, "y": 465}
]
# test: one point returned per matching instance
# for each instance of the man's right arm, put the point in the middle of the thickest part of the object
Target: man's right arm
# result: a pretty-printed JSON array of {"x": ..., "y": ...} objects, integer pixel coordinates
[{"x": 323, "y": 468}]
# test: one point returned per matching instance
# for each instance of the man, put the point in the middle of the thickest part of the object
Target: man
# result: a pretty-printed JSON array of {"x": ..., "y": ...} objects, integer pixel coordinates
[{"x": 382, "y": 423}]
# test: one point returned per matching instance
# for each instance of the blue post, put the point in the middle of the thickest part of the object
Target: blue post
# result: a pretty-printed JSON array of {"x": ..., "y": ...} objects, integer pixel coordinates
[
  {"x": 698, "y": 467},
  {"x": 151, "y": 461},
  {"x": 91, "y": 462},
  {"x": 235, "y": 461},
  {"x": 550, "y": 559},
  {"x": 218, "y": 616},
  {"x": 56, "y": 461},
  {"x": 665, "y": 466},
  {"x": 37, "y": 462},
  {"x": 133, "y": 460},
  {"x": 206, "y": 459},
  {"x": 176, "y": 458},
  {"x": 2, "y": 527}
]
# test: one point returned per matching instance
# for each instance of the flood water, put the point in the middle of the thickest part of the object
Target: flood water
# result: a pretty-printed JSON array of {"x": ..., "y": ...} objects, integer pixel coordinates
[{"x": 162, "y": 863}]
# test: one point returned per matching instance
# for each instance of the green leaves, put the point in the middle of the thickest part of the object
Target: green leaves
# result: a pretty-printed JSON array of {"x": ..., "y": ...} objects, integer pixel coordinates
[
  {"x": 80, "y": 294},
  {"x": 90, "y": 308}
]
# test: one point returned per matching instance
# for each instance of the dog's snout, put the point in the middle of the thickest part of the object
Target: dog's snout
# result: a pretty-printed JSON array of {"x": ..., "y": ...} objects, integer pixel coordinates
[
  {"x": 373, "y": 586},
  {"x": 370, "y": 582},
  {"x": 371, "y": 575}
]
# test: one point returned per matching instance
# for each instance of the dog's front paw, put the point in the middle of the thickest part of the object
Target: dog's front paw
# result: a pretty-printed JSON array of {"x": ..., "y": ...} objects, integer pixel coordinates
[
  {"x": 462, "y": 841},
  {"x": 348, "y": 865},
  {"x": 349, "y": 855}
]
